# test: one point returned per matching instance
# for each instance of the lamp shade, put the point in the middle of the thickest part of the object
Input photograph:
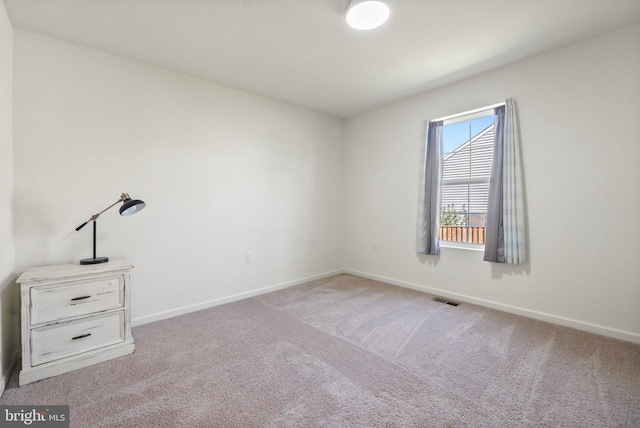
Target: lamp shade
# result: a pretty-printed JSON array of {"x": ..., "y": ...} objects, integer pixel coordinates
[
  {"x": 131, "y": 206},
  {"x": 367, "y": 14}
]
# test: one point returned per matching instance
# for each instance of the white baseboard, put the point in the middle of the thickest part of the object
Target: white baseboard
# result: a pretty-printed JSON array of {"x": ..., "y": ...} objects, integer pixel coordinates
[
  {"x": 542, "y": 316},
  {"x": 211, "y": 303},
  {"x": 4, "y": 379}
]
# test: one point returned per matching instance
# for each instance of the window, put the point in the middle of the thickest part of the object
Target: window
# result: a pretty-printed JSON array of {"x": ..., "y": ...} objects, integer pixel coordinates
[
  {"x": 479, "y": 199},
  {"x": 466, "y": 170}
]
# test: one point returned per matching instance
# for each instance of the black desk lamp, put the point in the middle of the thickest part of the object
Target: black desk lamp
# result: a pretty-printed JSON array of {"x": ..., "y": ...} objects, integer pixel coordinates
[{"x": 130, "y": 206}]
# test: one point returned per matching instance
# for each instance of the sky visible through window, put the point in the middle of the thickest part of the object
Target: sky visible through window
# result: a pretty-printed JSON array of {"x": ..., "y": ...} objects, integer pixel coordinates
[{"x": 457, "y": 134}]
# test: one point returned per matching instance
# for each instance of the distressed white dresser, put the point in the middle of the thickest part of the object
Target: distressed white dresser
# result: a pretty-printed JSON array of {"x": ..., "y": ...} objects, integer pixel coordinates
[{"x": 74, "y": 316}]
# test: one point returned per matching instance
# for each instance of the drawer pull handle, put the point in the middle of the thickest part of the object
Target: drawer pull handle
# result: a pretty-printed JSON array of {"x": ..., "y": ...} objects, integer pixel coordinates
[
  {"x": 81, "y": 336},
  {"x": 80, "y": 298}
]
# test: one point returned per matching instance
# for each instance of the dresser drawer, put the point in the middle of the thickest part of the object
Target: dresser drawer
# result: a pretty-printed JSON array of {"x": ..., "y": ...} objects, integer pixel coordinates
[
  {"x": 75, "y": 337},
  {"x": 72, "y": 299}
]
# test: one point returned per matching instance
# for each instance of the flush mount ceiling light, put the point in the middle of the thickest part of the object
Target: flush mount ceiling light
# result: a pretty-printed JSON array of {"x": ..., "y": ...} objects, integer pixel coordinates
[{"x": 367, "y": 14}]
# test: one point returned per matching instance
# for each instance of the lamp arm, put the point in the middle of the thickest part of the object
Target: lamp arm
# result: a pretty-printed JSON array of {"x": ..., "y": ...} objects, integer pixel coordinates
[{"x": 95, "y": 216}]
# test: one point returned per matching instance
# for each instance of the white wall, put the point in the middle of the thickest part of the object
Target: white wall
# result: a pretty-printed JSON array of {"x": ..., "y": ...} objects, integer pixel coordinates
[
  {"x": 221, "y": 171},
  {"x": 8, "y": 310},
  {"x": 579, "y": 110}
]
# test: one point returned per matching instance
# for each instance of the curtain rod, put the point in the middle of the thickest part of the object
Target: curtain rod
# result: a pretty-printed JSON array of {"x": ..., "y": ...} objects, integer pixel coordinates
[{"x": 466, "y": 113}]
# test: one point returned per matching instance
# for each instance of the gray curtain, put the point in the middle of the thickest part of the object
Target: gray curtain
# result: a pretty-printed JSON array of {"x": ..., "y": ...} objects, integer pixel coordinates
[
  {"x": 494, "y": 238},
  {"x": 428, "y": 228},
  {"x": 506, "y": 235}
]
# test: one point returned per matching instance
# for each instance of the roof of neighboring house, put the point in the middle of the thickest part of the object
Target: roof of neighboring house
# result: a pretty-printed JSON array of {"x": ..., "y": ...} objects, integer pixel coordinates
[{"x": 456, "y": 164}]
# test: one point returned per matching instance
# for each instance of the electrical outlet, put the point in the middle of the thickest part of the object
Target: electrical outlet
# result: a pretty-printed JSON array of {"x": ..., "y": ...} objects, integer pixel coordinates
[
  {"x": 374, "y": 246},
  {"x": 249, "y": 257}
]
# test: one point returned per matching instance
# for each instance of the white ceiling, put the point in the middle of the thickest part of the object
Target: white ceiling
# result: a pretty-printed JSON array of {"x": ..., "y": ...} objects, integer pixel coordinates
[{"x": 302, "y": 51}]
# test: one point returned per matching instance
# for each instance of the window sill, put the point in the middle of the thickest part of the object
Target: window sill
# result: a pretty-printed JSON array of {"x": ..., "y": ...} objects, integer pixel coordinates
[{"x": 461, "y": 246}]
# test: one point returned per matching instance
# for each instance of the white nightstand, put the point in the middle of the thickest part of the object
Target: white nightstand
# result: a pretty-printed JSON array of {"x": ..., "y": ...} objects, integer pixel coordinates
[{"x": 74, "y": 316}]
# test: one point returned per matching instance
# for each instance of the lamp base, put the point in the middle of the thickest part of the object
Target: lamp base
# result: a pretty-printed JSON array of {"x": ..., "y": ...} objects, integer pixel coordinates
[{"x": 94, "y": 261}]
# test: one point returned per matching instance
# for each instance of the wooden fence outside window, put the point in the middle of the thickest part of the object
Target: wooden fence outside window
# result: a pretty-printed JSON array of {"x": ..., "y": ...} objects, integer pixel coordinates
[{"x": 461, "y": 234}]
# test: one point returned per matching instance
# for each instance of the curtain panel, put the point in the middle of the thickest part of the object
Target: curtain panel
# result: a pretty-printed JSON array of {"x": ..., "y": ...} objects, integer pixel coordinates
[
  {"x": 494, "y": 238},
  {"x": 506, "y": 235},
  {"x": 428, "y": 227}
]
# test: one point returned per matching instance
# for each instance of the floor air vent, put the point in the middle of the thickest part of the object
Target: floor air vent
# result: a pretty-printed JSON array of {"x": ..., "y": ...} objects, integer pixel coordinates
[{"x": 445, "y": 301}]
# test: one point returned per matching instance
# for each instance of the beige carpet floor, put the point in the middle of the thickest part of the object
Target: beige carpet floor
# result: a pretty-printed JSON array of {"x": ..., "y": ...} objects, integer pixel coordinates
[{"x": 351, "y": 352}]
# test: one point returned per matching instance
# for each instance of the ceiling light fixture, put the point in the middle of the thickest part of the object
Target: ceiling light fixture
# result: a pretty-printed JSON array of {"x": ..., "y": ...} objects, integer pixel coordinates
[{"x": 367, "y": 14}]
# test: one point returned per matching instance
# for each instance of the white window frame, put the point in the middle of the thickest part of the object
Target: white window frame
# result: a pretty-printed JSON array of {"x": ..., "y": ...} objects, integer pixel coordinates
[{"x": 450, "y": 120}]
